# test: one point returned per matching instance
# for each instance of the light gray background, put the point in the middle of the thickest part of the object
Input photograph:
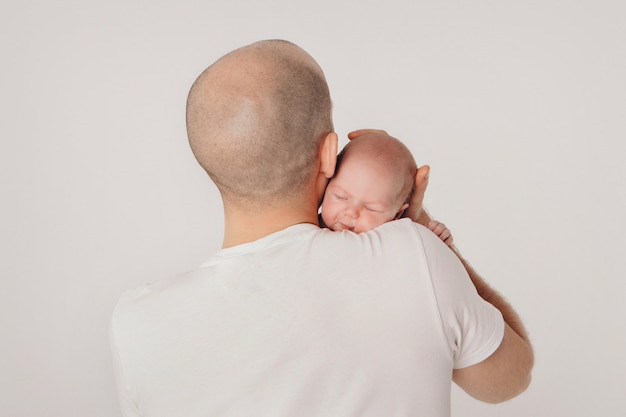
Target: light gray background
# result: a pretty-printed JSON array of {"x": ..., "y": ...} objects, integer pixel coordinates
[{"x": 518, "y": 106}]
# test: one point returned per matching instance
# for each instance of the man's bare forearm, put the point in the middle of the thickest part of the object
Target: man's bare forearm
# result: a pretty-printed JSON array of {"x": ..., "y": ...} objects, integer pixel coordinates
[{"x": 493, "y": 297}]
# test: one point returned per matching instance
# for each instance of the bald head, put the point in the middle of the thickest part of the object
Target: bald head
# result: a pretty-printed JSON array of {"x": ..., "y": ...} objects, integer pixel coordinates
[
  {"x": 386, "y": 152},
  {"x": 256, "y": 118}
]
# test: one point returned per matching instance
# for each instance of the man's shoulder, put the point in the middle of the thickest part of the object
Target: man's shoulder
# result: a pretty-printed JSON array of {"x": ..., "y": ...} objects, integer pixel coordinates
[
  {"x": 402, "y": 237},
  {"x": 398, "y": 229},
  {"x": 148, "y": 299}
]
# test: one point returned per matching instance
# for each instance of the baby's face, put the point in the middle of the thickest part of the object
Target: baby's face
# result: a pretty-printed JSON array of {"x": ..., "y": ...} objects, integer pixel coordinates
[{"x": 361, "y": 197}]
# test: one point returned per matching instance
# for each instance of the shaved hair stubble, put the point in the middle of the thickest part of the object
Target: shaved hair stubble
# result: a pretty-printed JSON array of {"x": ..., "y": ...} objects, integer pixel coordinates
[{"x": 256, "y": 119}]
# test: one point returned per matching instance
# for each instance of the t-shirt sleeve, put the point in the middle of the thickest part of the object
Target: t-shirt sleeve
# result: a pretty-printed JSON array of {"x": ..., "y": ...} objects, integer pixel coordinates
[{"x": 473, "y": 327}]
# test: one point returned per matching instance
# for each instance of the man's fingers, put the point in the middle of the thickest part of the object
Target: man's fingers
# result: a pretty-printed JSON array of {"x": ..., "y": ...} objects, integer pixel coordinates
[{"x": 361, "y": 132}]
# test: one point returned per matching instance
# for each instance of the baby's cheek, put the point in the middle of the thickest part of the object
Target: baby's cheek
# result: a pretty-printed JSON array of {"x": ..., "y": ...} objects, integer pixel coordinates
[
  {"x": 383, "y": 218},
  {"x": 368, "y": 222},
  {"x": 328, "y": 212}
]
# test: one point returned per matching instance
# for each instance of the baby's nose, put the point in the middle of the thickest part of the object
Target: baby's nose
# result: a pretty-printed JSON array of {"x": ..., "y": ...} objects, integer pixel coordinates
[
  {"x": 351, "y": 212},
  {"x": 349, "y": 221}
]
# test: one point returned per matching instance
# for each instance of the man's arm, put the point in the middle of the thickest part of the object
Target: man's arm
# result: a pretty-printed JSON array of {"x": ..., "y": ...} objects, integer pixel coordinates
[{"x": 507, "y": 372}]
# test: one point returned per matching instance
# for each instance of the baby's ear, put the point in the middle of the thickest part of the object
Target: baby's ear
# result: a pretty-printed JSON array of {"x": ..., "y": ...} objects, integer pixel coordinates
[{"x": 401, "y": 211}]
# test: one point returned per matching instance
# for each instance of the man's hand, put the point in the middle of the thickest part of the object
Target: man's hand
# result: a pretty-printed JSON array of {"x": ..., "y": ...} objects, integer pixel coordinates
[
  {"x": 415, "y": 211},
  {"x": 361, "y": 132}
]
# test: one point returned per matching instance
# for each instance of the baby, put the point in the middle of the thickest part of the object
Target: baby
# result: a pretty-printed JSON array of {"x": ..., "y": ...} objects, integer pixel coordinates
[{"x": 372, "y": 185}]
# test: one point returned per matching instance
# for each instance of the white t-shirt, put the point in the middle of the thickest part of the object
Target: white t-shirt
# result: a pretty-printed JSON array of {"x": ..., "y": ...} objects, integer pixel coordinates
[{"x": 305, "y": 322}]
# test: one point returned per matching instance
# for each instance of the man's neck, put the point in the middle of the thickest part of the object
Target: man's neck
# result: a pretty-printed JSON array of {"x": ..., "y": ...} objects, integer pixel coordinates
[{"x": 243, "y": 226}]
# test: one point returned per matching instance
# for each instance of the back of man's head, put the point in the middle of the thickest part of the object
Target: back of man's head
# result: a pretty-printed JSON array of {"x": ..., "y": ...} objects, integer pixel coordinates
[{"x": 255, "y": 121}]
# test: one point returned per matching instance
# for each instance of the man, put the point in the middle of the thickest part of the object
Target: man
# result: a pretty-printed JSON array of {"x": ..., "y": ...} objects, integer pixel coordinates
[{"x": 292, "y": 320}]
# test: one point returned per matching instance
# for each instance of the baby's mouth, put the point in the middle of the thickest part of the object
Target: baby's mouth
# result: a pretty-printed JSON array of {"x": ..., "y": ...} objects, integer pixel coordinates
[{"x": 340, "y": 226}]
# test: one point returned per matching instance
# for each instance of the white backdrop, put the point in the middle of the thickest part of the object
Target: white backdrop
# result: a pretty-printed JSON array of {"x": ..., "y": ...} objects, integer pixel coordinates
[{"x": 518, "y": 106}]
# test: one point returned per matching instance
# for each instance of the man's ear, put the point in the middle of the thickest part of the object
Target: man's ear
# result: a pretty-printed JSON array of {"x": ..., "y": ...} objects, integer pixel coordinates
[
  {"x": 401, "y": 211},
  {"x": 328, "y": 154}
]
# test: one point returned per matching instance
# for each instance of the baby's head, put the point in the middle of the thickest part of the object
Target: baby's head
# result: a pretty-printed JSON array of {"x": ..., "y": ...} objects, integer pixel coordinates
[{"x": 372, "y": 185}]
